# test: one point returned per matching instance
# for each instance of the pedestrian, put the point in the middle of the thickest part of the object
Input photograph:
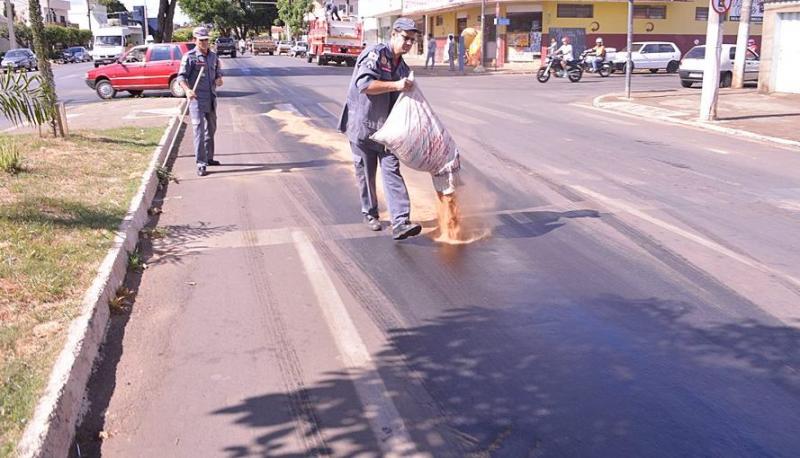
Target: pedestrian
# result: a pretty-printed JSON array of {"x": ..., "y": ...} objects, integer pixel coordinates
[
  {"x": 752, "y": 46},
  {"x": 332, "y": 10},
  {"x": 242, "y": 46},
  {"x": 451, "y": 51},
  {"x": 431, "y": 51},
  {"x": 202, "y": 100},
  {"x": 380, "y": 75}
]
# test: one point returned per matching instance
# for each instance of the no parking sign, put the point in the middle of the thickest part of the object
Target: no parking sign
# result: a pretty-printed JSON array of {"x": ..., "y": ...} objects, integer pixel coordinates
[{"x": 721, "y": 6}]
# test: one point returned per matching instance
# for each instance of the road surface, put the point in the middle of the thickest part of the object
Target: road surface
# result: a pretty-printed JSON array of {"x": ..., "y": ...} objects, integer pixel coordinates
[{"x": 636, "y": 295}]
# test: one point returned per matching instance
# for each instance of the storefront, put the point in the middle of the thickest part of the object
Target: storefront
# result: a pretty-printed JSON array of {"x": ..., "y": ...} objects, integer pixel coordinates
[{"x": 524, "y": 32}]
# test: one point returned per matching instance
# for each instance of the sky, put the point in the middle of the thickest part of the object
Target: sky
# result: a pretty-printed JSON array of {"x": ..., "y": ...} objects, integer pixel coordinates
[{"x": 152, "y": 8}]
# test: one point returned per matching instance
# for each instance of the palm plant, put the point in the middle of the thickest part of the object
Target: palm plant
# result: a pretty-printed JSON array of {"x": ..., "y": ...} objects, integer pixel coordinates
[{"x": 22, "y": 99}]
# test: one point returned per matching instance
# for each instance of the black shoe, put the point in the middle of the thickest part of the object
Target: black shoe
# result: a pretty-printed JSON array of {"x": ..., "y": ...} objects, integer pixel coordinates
[
  {"x": 213, "y": 162},
  {"x": 201, "y": 171},
  {"x": 406, "y": 230},
  {"x": 373, "y": 223}
]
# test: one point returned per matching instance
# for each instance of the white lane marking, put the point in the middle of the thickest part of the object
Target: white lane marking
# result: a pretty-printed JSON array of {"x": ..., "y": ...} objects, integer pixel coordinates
[
  {"x": 459, "y": 117},
  {"x": 718, "y": 151},
  {"x": 606, "y": 118},
  {"x": 290, "y": 108},
  {"x": 246, "y": 70},
  {"x": 384, "y": 419},
  {"x": 327, "y": 107},
  {"x": 747, "y": 261},
  {"x": 493, "y": 112}
]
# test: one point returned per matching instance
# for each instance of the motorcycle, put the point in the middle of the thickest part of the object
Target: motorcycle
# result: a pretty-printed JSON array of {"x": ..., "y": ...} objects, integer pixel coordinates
[
  {"x": 574, "y": 70},
  {"x": 586, "y": 65}
]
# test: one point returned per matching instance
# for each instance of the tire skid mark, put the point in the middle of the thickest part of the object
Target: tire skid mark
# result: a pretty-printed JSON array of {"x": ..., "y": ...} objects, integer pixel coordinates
[{"x": 309, "y": 430}]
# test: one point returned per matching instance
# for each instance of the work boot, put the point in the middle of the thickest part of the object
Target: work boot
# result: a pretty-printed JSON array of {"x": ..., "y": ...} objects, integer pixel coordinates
[
  {"x": 405, "y": 230},
  {"x": 213, "y": 162},
  {"x": 373, "y": 223}
]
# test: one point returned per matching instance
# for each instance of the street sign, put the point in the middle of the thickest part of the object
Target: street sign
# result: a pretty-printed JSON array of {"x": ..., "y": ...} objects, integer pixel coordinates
[
  {"x": 721, "y": 6},
  {"x": 502, "y": 21}
]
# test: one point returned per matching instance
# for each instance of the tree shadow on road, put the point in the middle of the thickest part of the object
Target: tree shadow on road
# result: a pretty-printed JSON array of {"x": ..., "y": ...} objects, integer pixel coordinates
[{"x": 602, "y": 376}]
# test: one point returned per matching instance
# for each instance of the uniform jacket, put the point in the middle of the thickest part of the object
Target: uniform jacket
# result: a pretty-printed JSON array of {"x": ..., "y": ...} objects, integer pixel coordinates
[
  {"x": 206, "y": 91},
  {"x": 364, "y": 114}
]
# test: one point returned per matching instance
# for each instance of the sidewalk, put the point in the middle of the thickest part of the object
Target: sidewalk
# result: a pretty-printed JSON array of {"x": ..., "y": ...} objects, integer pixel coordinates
[
  {"x": 769, "y": 117},
  {"x": 417, "y": 63}
]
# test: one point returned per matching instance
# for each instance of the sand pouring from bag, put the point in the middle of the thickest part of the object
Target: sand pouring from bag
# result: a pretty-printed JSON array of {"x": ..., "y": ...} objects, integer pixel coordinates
[{"x": 452, "y": 229}]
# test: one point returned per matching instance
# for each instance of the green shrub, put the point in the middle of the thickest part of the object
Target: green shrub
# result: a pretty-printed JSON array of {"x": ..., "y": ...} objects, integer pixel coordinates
[{"x": 10, "y": 157}]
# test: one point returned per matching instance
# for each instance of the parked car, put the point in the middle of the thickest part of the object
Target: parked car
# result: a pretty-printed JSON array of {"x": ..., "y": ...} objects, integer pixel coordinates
[
  {"x": 142, "y": 68},
  {"x": 693, "y": 63},
  {"x": 284, "y": 47},
  {"x": 19, "y": 59},
  {"x": 76, "y": 54},
  {"x": 299, "y": 49},
  {"x": 650, "y": 55},
  {"x": 226, "y": 45},
  {"x": 264, "y": 45}
]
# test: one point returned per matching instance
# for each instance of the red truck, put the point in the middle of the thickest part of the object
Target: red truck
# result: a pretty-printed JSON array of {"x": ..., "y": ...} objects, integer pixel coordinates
[
  {"x": 335, "y": 41},
  {"x": 146, "y": 67}
]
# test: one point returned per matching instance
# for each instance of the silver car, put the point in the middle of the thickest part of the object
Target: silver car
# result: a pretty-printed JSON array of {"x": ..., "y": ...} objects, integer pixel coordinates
[
  {"x": 299, "y": 49},
  {"x": 19, "y": 59},
  {"x": 284, "y": 47}
]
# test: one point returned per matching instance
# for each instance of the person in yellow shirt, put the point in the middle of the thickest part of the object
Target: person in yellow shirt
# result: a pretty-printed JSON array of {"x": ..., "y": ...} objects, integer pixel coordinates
[{"x": 599, "y": 53}]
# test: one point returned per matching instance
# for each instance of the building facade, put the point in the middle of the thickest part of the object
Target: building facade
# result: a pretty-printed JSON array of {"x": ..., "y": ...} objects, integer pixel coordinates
[
  {"x": 780, "y": 51},
  {"x": 530, "y": 24},
  {"x": 53, "y": 11},
  {"x": 98, "y": 16}
]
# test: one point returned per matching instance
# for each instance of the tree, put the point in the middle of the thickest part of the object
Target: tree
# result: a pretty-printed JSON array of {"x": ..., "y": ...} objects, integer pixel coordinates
[
  {"x": 292, "y": 13},
  {"x": 22, "y": 32},
  {"x": 21, "y": 101},
  {"x": 113, "y": 6},
  {"x": 166, "y": 13},
  {"x": 48, "y": 85},
  {"x": 230, "y": 16}
]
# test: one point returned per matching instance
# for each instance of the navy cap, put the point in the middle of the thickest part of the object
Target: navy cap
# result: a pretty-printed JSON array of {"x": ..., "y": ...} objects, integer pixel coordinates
[
  {"x": 405, "y": 24},
  {"x": 200, "y": 32}
]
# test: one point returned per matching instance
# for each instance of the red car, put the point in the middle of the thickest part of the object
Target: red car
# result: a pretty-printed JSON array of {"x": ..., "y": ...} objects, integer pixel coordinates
[{"x": 148, "y": 67}]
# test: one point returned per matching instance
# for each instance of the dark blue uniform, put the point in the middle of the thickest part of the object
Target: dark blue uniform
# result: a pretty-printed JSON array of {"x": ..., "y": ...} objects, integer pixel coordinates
[
  {"x": 362, "y": 116},
  {"x": 203, "y": 109}
]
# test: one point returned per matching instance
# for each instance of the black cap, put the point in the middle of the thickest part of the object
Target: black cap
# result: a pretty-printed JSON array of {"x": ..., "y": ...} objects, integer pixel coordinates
[{"x": 405, "y": 24}]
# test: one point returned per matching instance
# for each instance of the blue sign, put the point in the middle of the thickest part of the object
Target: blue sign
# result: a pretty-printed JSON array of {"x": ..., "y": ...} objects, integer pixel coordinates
[{"x": 502, "y": 21}]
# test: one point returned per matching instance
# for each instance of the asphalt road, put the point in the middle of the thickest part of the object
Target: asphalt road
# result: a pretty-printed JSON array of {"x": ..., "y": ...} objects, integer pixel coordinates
[{"x": 637, "y": 295}]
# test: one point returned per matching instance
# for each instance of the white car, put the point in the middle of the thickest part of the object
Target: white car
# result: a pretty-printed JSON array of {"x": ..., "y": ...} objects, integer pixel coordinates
[
  {"x": 651, "y": 55},
  {"x": 284, "y": 47},
  {"x": 693, "y": 63}
]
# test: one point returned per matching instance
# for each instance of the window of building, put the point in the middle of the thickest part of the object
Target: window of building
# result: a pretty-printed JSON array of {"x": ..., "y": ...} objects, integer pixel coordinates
[
  {"x": 701, "y": 13},
  {"x": 159, "y": 53},
  {"x": 525, "y": 22},
  {"x": 650, "y": 12},
  {"x": 439, "y": 20},
  {"x": 570, "y": 10}
]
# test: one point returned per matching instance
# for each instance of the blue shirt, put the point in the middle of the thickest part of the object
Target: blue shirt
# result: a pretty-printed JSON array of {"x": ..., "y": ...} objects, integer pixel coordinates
[
  {"x": 206, "y": 91},
  {"x": 364, "y": 114}
]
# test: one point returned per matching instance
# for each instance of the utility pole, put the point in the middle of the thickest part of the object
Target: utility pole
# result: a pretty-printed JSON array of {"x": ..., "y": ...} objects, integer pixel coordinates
[
  {"x": 480, "y": 68},
  {"x": 629, "y": 62},
  {"x": 12, "y": 36},
  {"x": 741, "y": 44},
  {"x": 710, "y": 94},
  {"x": 89, "y": 14}
]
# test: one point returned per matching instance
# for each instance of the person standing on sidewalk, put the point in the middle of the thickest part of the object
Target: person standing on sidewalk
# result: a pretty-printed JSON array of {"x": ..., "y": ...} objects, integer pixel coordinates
[
  {"x": 379, "y": 76},
  {"x": 451, "y": 51},
  {"x": 203, "y": 101},
  {"x": 431, "y": 51}
]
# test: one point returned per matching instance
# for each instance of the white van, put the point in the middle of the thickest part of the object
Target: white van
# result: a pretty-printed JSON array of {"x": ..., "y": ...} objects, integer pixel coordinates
[
  {"x": 693, "y": 63},
  {"x": 111, "y": 42}
]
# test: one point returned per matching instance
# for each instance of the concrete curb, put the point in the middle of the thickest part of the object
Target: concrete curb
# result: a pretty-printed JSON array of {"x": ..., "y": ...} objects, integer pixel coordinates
[
  {"x": 51, "y": 429},
  {"x": 600, "y": 104}
]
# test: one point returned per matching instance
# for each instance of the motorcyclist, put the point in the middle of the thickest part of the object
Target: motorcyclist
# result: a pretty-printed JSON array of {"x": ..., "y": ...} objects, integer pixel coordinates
[
  {"x": 566, "y": 54},
  {"x": 598, "y": 53}
]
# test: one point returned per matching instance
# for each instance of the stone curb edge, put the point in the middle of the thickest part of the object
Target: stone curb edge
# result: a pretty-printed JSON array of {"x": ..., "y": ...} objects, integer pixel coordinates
[
  {"x": 601, "y": 105},
  {"x": 51, "y": 429}
]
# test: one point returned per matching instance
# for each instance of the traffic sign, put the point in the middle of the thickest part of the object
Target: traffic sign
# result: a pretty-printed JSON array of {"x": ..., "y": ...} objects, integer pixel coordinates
[
  {"x": 721, "y": 6},
  {"x": 502, "y": 21}
]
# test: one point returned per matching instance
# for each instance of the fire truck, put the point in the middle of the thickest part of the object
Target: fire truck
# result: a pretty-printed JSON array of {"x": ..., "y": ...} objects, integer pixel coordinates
[{"x": 334, "y": 41}]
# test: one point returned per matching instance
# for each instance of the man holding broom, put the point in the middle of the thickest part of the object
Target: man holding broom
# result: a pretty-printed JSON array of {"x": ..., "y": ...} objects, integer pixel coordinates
[{"x": 200, "y": 70}]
